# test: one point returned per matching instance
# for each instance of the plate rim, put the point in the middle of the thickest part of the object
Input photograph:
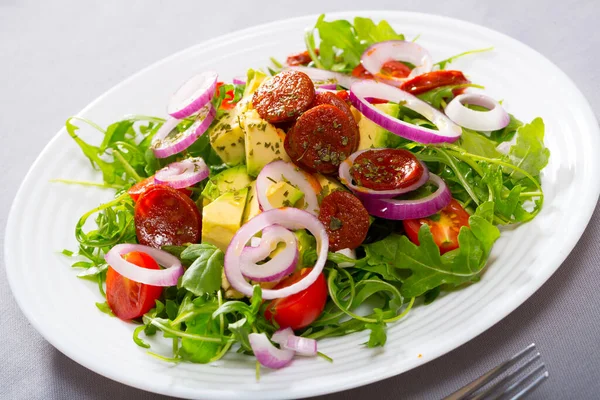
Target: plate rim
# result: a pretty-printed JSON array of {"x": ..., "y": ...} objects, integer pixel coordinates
[{"x": 518, "y": 299}]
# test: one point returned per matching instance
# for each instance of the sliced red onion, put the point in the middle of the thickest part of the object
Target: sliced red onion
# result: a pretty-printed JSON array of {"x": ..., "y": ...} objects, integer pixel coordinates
[
  {"x": 361, "y": 191},
  {"x": 321, "y": 75},
  {"x": 492, "y": 120},
  {"x": 350, "y": 253},
  {"x": 287, "y": 340},
  {"x": 167, "y": 142},
  {"x": 239, "y": 80},
  {"x": 268, "y": 355},
  {"x": 411, "y": 209},
  {"x": 155, "y": 277},
  {"x": 193, "y": 95},
  {"x": 375, "y": 56},
  {"x": 182, "y": 174},
  {"x": 290, "y": 218},
  {"x": 279, "y": 170},
  {"x": 447, "y": 131},
  {"x": 283, "y": 264},
  {"x": 328, "y": 86}
]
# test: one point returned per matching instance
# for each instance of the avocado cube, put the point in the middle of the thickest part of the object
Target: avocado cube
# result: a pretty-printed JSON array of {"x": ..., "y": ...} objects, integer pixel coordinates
[
  {"x": 373, "y": 135},
  {"x": 222, "y": 218}
]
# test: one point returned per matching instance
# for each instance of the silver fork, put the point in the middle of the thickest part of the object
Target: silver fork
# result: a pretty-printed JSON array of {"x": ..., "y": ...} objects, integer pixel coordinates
[{"x": 516, "y": 384}]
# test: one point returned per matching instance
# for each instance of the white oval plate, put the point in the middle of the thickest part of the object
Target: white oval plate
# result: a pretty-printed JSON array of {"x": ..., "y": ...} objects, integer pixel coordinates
[{"x": 61, "y": 306}]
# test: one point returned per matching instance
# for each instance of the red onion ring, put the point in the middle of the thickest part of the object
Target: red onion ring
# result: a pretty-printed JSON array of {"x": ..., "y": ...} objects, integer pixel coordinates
[
  {"x": 290, "y": 218},
  {"x": 300, "y": 345},
  {"x": 182, "y": 174},
  {"x": 155, "y": 277},
  {"x": 376, "y": 55},
  {"x": 361, "y": 191},
  {"x": 193, "y": 95},
  {"x": 411, "y": 209},
  {"x": 165, "y": 143},
  {"x": 283, "y": 264},
  {"x": 239, "y": 80},
  {"x": 360, "y": 91},
  {"x": 280, "y": 170},
  {"x": 492, "y": 120},
  {"x": 268, "y": 355},
  {"x": 322, "y": 75}
]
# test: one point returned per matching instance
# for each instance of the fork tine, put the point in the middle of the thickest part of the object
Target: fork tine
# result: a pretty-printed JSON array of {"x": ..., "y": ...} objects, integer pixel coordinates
[
  {"x": 508, "y": 392},
  {"x": 490, "y": 375},
  {"x": 501, "y": 386},
  {"x": 531, "y": 387}
]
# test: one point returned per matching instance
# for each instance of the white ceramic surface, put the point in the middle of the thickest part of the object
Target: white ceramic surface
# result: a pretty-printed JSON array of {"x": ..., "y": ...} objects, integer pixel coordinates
[{"x": 61, "y": 306}]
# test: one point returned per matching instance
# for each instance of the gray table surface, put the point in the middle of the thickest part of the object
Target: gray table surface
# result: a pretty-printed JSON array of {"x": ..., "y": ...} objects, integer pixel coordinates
[{"x": 55, "y": 57}]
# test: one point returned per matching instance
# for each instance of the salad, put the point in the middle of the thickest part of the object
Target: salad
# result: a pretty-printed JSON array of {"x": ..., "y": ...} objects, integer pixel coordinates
[{"x": 324, "y": 196}]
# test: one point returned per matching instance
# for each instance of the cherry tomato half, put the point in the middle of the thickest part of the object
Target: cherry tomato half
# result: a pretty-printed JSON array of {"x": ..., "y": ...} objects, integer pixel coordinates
[
  {"x": 129, "y": 299},
  {"x": 391, "y": 68},
  {"x": 302, "y": 58},
  {"x": 435, "y": 79},
  {"x": 301, "y": 309},
  {"x": 444, "y": 230},
  {"x": 139, "y": 188}
]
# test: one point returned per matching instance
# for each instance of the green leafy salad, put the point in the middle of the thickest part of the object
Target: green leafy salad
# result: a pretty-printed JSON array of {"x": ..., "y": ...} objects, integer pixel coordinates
[{"x": 327, "y": 195}]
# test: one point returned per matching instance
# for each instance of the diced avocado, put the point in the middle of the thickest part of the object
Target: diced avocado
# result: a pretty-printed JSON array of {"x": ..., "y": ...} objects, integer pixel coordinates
[
  {"x": 222, "y": 218},
  {"x": 227, "y": 139},
  {"x": 264, "y": 142},
  {"x": 373, "y": 135},
  {"x": 230, "y": 180},
  {"x": 253, "y": 80},
  {"x": 328, "y": 185},
  {"x": 252, "y": 205},
  {"x": 282, "y": 194}
]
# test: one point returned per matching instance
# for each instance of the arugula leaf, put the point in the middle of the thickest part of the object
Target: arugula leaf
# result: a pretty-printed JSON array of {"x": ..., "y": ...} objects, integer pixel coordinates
[
  {"x": 476, "y": 143},
  {"x": 342, "y": 43},
  {"x": 196, "y": 350},
  {"x": 442, "y": 95},
  {"x": 241, "y": 331},
  {"x": 367, "y": 31},
  {"x": 378, "y": 335},
  {"x": 442, "y": 64},
  {"x": 529, "y": 152},
  {"x": 204, "y": 275},
  {"x": 429, "y": 268}
]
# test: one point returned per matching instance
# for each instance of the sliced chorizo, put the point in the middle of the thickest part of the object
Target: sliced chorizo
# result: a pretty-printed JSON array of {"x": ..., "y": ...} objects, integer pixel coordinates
[
  {"x": 165, "y": 217},
  {"x": 284, "y": 97},
  {"x": 321, "y": 139},
  {"x": 345, "y": 219}
]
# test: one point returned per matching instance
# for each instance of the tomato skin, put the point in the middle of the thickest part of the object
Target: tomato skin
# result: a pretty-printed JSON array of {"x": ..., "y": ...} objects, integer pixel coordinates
[
  {"x": 301, "y": 309},
  {"x": 392, "y": 68},
  {"x": 431, "y": 80},
  {"x": 445, "y": 230},
  {"x": 302, "y": 58},
  {"x": 129, "y": 299},
  {"x": 139, "y": 188}
]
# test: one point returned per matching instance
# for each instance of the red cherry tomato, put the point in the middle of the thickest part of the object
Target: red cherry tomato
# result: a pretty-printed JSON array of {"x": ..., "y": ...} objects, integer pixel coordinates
[
  {"x": 301, "y": 309},
  {"x": 139, "y": 188},
  {"x": 392, "y": 68},
  {"x": 431, "y": 80},
  {"x": 302, "y": 58},
  {"x": 444, "y": 230},
  {"x": 129, "y": 299},
  {"x": 227, "y": 103}
]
